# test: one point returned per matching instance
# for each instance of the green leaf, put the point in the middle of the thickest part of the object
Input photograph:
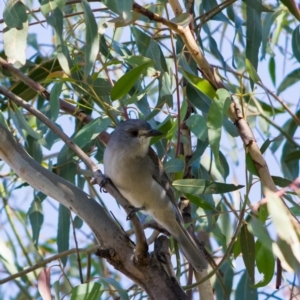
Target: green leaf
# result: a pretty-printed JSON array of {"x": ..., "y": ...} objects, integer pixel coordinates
[
  {"x": 248, "y": 250},
  {"x": 257, "y": 5},
  {"x": 54, "y": 100},
  {"x": 91, "y": 131},
  {"x": 47, "y": 6},
  {"x": 87, "y": 291},
  {"x": 287, "y": 245},
  {"x": 259, "y": 230},
  {"x": 265, "y": 263},
  {"x": 253, "y": 35},
  {"x": 142, "y": 40},
  {"x": 78, "y": 222},
  {"x": 289, "y": 80},
  {"x": 214, "y": 124},
  {"x": 265, "y": 145},
  {"x": 201, "y": 84},
  {"x": 200, "y": 202},
  {"x": 268, "y": 21},
  {"x": 227, "y": 278},
  {"x": 293, "y": 8},
  {"x": 121, "y": 7},
  {"x": 245, "y": 290},
  {"x": 294, "y": 155},
  {"x": 36, "y": 218},
  {"x": 23, "y": 123},
  {"x": 197, "y": 125},
  {"x": 38, "y": 74},
  {"x": 202, "y": 186},
  {"x": 126, "y": 82},
  {"x": 174, "y": 165},
  {"x": 251, "y": 71},
  {"x": 15, "y": 42},
  {"x": 250, "y": 165},
  {"x": 91, "y": 37},
  {"x": 272, "y": 70},
  {"x": 34, "y": 149},
  {"x": 55, "y": 18},
  {"x": 14, "y": 14},
  {"x": 135, "y": 61},
  {"x": 63, "y": 231},
  {"x": 296, "y": 42}
]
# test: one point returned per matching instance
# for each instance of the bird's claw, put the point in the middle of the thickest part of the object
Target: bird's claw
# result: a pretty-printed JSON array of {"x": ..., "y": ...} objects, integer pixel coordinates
[
  {"x": 103, "y": 184},
  {"x": 133, "y": 211}
]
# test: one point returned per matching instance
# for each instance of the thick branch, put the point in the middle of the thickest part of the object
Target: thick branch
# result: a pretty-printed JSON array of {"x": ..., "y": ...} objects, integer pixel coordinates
[{"x": 152, "y": 278}]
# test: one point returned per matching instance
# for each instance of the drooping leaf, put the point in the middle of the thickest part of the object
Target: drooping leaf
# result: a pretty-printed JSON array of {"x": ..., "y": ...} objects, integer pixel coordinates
[
  {"x": 91, "y": 131},
  {"x": 36, "y": 218},
  {"x": 121, "y": 7},
  {"x": 87, "y": 291},
  {"x": 126, "y": 82},
  {"x": 201, "y": 84},
  {"x": 200, "y": 202},
  {"x": 91, "y": 37},
  {"x": 55, "y": 18},
  {"x": 63, "y": 231},
  {"x": 257, "y": 5},
  {"x": 289, "y": 80},
  {"x": 174, "y": 165},
  {"x": 197, "y": 125},
  {"x": 265, "y": 263},
  {"x": 202, "y": 186},
  {"x": 24, "y": 124},
  {"x": 227, "y": 278},
  {"x": 269, "y": 19},
  {"x": 214, "y": 123},
  {"x": 54, "y": 100},
  {"x": 272, "y": 70},
  {"x": 245, "y": 290},
  {"x": 253, "y": 35},
  {"x": 14, "y": 14},
  {"x": 15, "y": 42},
  {"x": 44, "y": 283},
  {"x": 248, "y": 250}
]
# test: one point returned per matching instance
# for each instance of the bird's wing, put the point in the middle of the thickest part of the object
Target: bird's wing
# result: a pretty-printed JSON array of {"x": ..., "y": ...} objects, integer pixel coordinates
[{"x": 161, "y": 177}]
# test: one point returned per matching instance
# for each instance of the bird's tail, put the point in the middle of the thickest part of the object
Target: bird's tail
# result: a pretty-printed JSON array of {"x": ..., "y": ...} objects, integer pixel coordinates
[{"x": 190, "y": 249}]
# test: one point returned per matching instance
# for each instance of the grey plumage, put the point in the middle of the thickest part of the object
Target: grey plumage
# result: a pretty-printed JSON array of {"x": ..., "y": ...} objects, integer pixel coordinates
[{"x": 137, "y": 172}]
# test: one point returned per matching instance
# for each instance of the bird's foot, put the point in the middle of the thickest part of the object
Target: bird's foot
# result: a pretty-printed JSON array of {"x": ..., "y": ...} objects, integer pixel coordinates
[
  {"x": 133, "y": 211},
  {"x": 103, "y": 183}
]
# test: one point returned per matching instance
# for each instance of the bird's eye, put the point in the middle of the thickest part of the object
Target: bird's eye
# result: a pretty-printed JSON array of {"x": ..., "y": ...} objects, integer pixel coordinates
[{"x": 134, "y": 132}]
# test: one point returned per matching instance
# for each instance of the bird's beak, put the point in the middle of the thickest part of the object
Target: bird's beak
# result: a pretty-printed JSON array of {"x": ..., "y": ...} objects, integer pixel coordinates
[{"x": 154, "y": 132}]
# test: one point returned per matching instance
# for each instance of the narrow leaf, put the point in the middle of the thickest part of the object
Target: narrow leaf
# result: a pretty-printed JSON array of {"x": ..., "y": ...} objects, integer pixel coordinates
[
  {"x": 214, "y": 123},
  {"x": 63, "y": 231},
  {"x": 91, "y": 37},
  {"x": 54, "y": 100},
  {"x": 87, "y": 291},
  {"x": 91, "y": 131},
  {"x": 289, "y": 80},
  {"x": 201, "y": 84},
  {"x": 126, "y": 82},
  {"x": 248, "y": 250},
  {"x": 202, "y": 186}
]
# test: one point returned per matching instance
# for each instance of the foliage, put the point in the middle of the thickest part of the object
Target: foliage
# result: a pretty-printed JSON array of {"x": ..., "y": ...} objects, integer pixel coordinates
[{"x": 110, "y": 62}]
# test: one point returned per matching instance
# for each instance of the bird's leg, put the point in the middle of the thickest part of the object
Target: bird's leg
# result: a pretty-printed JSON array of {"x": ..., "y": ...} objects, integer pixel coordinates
[
  {"x": 133, "y": 211},
  {"x": 103, "y": 183}
]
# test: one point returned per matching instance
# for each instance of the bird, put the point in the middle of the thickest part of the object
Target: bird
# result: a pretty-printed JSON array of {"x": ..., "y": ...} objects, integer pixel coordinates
[{"x": 137, "y": 172}]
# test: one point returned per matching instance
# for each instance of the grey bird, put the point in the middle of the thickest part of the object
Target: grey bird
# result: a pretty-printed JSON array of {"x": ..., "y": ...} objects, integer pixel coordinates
[{"x": 136, "y": 171}]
